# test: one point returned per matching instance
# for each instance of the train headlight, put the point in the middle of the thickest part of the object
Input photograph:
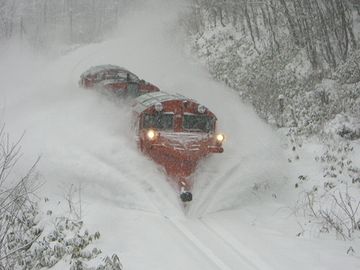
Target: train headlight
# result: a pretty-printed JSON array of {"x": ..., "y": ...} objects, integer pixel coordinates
[
  {"x": 220, "y": 138},
  {"x": 151, "y": 134}
]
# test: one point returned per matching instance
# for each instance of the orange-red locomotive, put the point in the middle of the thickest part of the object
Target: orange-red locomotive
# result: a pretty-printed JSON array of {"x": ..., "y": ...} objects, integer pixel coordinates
[
  {"x": 117, "y": 80},
  {"x": 177, "y": 133}
]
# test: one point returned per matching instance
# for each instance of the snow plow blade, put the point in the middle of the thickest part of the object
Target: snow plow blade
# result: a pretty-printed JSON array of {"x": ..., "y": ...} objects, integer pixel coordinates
[{"x": 186, "y": 196}]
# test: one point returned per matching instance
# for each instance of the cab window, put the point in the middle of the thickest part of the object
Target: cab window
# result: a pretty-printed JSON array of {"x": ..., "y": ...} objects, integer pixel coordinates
[
  {"x": 198, "y": 123},
  {"x": 160, "y": 121}
]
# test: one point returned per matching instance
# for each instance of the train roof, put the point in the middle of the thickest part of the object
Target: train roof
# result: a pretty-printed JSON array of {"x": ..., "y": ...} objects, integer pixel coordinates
[
  {"x": 96, "y": 69},
  {"x": 145, "y": 101}
]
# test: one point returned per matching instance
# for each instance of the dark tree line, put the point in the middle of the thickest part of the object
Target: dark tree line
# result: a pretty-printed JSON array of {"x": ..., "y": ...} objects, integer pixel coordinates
[
  {"x": 70, "y": 21},
  {"x": 323, "y": 27}
]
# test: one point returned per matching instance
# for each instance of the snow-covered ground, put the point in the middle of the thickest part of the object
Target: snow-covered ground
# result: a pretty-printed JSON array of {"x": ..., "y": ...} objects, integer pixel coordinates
[{"x": 241, "y": 216}]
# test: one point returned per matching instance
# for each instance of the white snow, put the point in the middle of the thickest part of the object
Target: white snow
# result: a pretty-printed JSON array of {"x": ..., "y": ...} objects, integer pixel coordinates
[{"x": 84, "y": 138}]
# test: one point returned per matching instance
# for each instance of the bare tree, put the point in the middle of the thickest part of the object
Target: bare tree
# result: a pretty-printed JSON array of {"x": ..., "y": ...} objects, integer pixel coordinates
[{"x": 16, "y": 203}]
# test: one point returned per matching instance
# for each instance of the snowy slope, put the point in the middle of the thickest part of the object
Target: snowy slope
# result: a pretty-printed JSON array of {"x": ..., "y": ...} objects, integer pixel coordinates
[{"x": 85, "y": 139}]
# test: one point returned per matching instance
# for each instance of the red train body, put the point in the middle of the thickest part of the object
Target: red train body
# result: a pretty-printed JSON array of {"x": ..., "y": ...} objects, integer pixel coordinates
[
  {"x": 176, "y": 132},
  {"x": 117, "y": 80}
]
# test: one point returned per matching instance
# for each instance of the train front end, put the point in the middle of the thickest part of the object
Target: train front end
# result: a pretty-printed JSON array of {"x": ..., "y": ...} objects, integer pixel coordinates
[{"x": 176, "y": 132}]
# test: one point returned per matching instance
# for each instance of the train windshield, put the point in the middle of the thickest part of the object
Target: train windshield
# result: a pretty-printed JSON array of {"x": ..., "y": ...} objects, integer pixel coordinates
[
  {"x": 199, "y": 123},
  {"x": 160, "y": 121}
]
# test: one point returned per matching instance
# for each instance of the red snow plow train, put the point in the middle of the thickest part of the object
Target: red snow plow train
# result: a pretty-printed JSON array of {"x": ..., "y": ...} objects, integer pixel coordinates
[
  {"x": 176, "y": 132},
  {"x": 117, "y": 80}
]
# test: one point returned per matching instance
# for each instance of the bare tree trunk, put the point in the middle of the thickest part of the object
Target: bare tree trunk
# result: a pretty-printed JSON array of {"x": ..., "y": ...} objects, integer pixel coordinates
[
  {"x": 309, "y": 35},
  {"x": 349, "y": 23},
  {"x": 310, "y": 46},
  {"x": 274, "y": 11},
  {"x": 343, "y": 28},
  {"x": 248, "y": 20},
  {"x": 352, "y": 36},
  {"x": 290, "y": 22},
  {"x": 254, "y": 19},
  {"x": 272, "y": 31},
  {"x": 234, "y": 17},
  {"x": 71, "y": 25},
  {"x": 214, "y": 17},
  {"x": 221, "y": 14},
  {"x": 45, "y": 12},
  {"x": 299, "y": 22},
  {"x": 22, "y": 29},
  {"x": 329, "y": 53}
]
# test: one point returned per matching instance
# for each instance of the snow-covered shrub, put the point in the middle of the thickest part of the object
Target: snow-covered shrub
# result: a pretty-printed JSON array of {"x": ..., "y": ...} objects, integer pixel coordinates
[
  {"x": 65, "y": 239},
  {"x": 34, "y": 238},
  {"x": 345, "y": 126},
  {"x": 349, "y": 71},
  {"x": 50, "y": 239},
  {"x": 17, "y": 208},
  {"x": 312, "y": 112}
]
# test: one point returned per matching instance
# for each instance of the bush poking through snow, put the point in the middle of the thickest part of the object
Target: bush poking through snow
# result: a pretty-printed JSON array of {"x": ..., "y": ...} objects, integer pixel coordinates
[
  {"x": 335, "y": 205},
  {"x": 344, "y": 126},
  {"x": 337, "y": 211}
]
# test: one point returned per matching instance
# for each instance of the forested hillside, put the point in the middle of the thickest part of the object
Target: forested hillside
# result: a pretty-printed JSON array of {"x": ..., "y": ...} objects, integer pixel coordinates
[{"x": 295, "y": 61}]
